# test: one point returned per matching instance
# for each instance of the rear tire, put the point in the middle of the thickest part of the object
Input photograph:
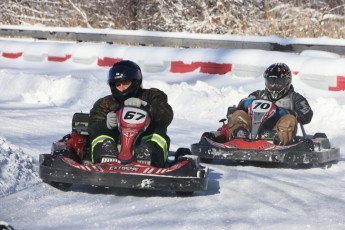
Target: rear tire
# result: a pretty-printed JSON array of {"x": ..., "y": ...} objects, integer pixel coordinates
[
  {"x": 181, "y": 152},
  {"x": 319, "y": 135},
  {"x": 184, "y": 193}
]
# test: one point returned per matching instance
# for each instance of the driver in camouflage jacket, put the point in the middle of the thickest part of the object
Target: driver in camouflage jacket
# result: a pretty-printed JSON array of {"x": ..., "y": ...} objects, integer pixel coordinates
[{"x": 125, "y": 81}]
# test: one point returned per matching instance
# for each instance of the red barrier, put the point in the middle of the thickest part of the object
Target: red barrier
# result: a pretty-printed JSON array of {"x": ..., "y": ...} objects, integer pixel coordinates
[
  {"x": 12, "y": 55},
  {"x": 107, "y": 61},
  {"x": 205, "y": 67},
  {"x": 340, "y": 84},
  {"x": 215, "y": 68},
  {"x": 181, "y": 67},
  {"x": 59, "y": 59}
]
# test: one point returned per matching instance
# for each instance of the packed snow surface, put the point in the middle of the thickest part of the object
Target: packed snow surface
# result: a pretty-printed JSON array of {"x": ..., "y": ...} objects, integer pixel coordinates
[{"x": 36, "y": 108}]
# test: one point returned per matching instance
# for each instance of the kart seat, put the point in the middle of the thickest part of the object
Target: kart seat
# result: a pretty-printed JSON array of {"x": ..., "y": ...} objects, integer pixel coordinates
[{"x": 80, "y": 122}]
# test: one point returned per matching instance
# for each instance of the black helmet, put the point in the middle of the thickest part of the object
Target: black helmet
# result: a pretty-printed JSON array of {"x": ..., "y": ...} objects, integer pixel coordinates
[
  {"x": 277, "y": 80},
  {"x": 121, "y": 71}
]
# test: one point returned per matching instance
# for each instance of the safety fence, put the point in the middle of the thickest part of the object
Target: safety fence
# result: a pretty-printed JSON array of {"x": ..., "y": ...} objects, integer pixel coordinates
[{"x": 223, "y": 61}]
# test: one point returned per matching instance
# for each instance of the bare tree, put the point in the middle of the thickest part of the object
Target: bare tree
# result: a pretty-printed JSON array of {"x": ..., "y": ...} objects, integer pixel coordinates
[{"x": 286, "y": 18}]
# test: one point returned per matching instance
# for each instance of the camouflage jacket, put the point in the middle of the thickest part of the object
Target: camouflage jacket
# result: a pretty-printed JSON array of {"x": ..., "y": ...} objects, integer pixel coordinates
[{"x": 161, "y": 112}]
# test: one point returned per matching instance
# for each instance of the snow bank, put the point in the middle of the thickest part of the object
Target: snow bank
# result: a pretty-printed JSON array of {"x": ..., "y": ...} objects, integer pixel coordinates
[{"x": 17, "y": 170}]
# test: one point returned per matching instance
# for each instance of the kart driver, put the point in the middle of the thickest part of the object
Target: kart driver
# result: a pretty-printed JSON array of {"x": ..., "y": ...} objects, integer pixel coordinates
[
  {"x": 125, "y": 81},
  {"x": 292, "y": 108}
]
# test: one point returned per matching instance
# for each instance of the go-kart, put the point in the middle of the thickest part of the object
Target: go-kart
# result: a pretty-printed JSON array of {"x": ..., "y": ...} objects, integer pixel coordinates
[
  {"x": 69, "y": 161},
  {"x": 259, "y": 147}
]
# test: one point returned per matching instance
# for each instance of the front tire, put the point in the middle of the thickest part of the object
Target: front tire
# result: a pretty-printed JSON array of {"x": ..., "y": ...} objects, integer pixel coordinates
[{"x": 206, "y": 160}]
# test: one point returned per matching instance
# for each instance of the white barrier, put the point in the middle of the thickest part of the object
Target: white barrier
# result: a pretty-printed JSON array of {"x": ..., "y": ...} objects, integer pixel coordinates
[
  {"x": 247, "y": 70},
  {"x": 86, "y": 54}
]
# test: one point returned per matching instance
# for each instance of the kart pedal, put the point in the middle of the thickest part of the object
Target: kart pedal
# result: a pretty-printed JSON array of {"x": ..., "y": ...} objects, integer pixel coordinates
[
  {"x": 86, "y": 162},
  {"x": 240, "y": 133}
]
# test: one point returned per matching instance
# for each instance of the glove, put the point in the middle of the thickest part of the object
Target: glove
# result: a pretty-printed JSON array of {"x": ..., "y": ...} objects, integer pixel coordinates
[
  {"x": 136, "y": 102},
  {"x": 247, "y": 102},
  {"x": 111, "y": 120}
]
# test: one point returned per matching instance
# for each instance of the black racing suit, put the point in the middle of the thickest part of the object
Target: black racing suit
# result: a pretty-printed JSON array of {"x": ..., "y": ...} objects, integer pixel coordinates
[{"x": 292, "y": 102}]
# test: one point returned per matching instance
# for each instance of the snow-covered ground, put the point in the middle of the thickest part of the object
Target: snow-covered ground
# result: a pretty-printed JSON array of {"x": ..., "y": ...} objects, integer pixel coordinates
[{"x": 36, "y": 107}]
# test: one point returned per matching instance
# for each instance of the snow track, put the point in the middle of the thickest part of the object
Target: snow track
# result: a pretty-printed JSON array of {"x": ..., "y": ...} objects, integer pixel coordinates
[{"x": 38, "y": 110}]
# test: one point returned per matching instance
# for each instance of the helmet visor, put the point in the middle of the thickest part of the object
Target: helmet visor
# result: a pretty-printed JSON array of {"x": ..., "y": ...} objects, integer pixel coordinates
[
  {"x": 277, "y": 86},
  {"x": 277, "y": 83}
]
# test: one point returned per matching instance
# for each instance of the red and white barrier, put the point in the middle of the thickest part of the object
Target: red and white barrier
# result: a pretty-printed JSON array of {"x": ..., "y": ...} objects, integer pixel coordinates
[{"x": 159, "y": 60}]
